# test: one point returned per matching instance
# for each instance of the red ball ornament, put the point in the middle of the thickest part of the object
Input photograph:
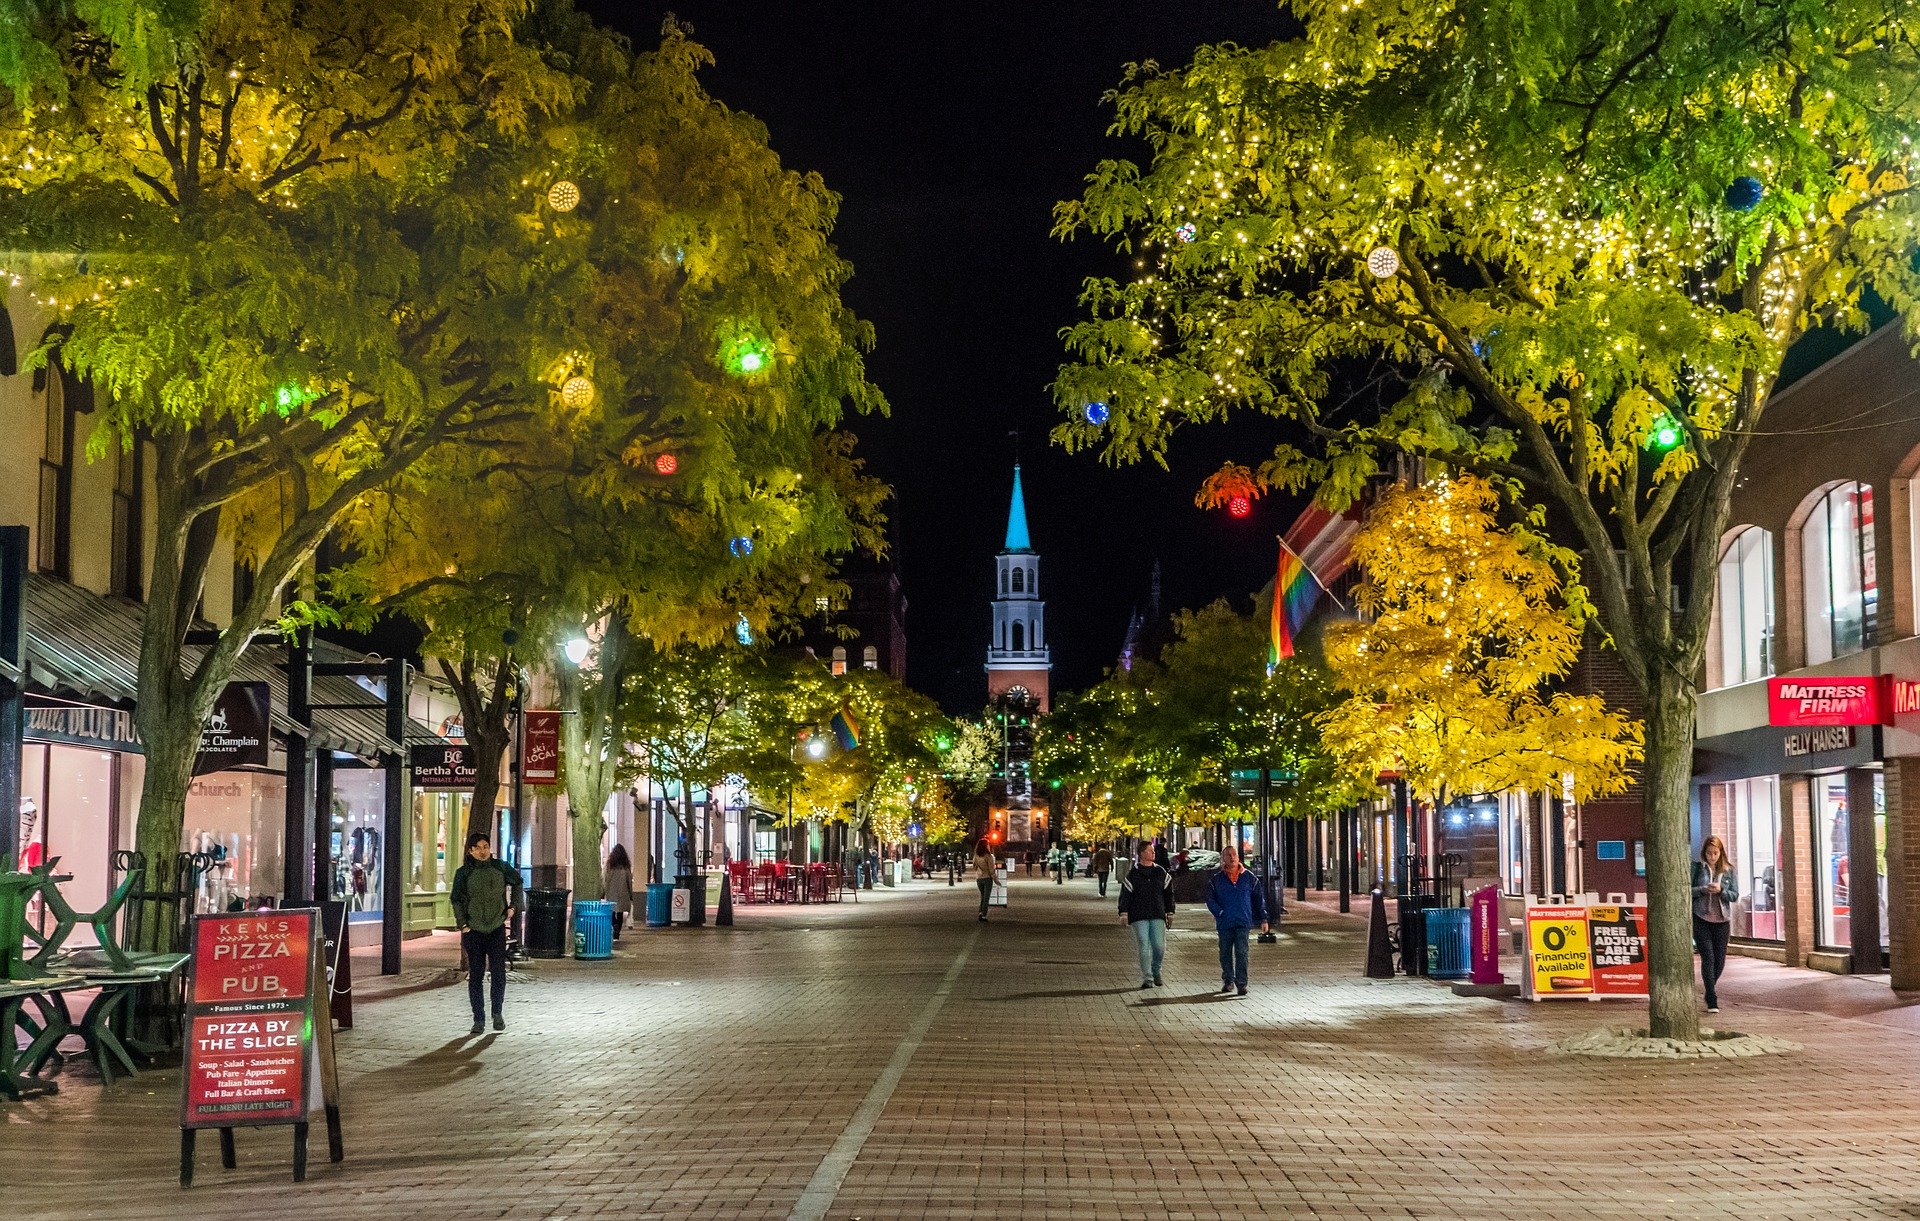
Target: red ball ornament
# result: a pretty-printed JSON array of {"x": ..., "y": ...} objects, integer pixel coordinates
[
  {"x": 1240, "y": 506},
  {"x": 666, "y": 464}
]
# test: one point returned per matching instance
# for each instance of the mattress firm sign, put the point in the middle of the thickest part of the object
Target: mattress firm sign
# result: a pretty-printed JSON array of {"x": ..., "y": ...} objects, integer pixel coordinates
[{"x": 1840, "y": 700}]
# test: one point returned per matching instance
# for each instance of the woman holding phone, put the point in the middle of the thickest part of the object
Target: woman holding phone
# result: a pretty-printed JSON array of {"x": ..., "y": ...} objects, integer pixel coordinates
[{"x": 1714, "y": 892}]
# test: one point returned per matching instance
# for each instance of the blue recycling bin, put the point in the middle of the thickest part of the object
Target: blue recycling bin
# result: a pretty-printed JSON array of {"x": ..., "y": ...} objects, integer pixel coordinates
[
  {"x": 1449, "y": 942},
  {"x": 592, "y": 928},
  {"x": 659, "y": 904}
]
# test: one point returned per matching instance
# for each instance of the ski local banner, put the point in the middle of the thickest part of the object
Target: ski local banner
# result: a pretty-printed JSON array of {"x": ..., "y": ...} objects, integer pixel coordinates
[
  {"x": 1593, "y": 950},
  {"x": 540, "y": 747}
]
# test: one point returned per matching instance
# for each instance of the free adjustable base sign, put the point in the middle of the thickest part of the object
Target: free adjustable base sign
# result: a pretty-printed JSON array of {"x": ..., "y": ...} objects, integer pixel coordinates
[{"x": 259, "y": 1045}]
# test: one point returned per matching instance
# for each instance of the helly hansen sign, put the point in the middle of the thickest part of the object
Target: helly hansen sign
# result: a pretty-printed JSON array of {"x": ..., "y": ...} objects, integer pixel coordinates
[{"x": 1854, "y": 699}]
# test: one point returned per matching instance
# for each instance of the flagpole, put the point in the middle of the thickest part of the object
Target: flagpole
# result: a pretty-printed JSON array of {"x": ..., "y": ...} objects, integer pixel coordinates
[{"x": 1308, "y": 568}]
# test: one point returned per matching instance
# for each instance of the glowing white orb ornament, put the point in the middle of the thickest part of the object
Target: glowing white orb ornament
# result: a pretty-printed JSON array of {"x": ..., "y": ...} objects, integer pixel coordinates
[
  {"x": 576, "y": 650},
  {"x": 1383, "y": 261},
  {"x": 563, "y": 196},
  {"x": 577, "y": 391}
]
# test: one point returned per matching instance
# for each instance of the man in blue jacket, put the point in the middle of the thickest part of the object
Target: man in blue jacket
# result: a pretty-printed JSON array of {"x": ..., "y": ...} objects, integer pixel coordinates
[{"x": 1238, "y": 903}]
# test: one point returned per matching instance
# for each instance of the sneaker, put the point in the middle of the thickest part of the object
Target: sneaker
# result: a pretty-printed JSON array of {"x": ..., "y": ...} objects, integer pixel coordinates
[
  {"x": 1241, "y": 991},
  {"x": 499, "y": 1023},
  {"x": 479, "y": 1027},
  {"x": 1713, "y": 1008},
  {"x": 1156, "y": 982},
  {"x": 983, "y": 919},
  {"x": 1226, "y": 985},
  {"x": 1145, "y": 984}
]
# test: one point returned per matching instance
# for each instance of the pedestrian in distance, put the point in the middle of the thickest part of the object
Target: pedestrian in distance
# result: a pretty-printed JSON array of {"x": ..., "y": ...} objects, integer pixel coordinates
[
  {"x": 1103, "y": 865},
  {"x": 1055, "y": 863},
  {"x": 1236, "y": 899},
  {"x": 486, "y": 893},
  {"x": 1071, "y": 856},
  {"x": 619, "y": 886},
  {"x": 1714, "y": 894},
  {"x": 1146, "y": 906},
  {"x": 983, "y": 867}
]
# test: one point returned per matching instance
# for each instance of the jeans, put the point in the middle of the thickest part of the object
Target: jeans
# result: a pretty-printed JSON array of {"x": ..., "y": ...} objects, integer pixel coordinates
[
  {"x": 1233, "y": 956},
  {"x": 1103, "y": 883},
  {"x": 486, "y": 952},
  {"x": 1710, "y": 938},
  {"x": 986, "y": 891},
  {"x": 1150, "y": 938}
]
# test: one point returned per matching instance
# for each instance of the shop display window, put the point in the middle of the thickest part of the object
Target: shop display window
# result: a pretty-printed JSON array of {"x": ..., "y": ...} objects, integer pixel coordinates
[
  {"x": 1880, "y": 848},
  {"x": 1837, "y": 567},
  {"x": 1830, "y": 844},
  {"x": 1753, "y": 841},
  {"x": 358, "y": 849},
  {"x": 239, "y": 818}
]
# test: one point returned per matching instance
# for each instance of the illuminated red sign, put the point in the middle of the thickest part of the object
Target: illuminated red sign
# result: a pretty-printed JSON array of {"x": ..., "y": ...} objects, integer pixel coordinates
[{"x": 1853, "y": 699}]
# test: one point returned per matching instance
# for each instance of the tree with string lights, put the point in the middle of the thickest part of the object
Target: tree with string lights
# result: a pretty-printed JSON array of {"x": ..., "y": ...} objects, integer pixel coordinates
[
  {"x": 1464, "y": 625},
  {"x": 1562, "y": 244}
]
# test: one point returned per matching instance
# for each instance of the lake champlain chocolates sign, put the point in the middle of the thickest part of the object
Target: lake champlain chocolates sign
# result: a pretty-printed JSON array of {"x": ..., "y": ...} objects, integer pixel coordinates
[{"x": 236, "y": 732}]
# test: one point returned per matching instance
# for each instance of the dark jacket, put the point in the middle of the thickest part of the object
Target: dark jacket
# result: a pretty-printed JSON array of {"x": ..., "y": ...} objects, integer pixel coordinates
[
  {"x": 1729, "y": 891},
  {"x": 1147, "y": 894},
  {"x": 480, "y": 890},
  {"x": 1102, "y": 861},
  {"x": 1236, "y": 904}
]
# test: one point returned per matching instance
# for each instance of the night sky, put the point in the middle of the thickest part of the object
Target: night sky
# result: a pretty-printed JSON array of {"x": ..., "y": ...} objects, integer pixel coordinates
[{"x": 950, "y": 131}]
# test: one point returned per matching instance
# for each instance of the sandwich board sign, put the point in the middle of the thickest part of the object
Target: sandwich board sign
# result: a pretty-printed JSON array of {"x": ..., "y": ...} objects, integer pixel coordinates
[{"x": 259, "y": 1042}]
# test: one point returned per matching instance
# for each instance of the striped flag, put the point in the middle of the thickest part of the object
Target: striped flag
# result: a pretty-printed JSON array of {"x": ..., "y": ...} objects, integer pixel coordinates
[
  {"x": 1315, "y": 552},
  {"x": 845, "y": 728}
]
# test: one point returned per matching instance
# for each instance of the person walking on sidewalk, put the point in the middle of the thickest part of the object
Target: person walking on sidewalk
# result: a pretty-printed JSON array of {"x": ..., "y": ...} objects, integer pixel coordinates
[
  {"x": 486, "y": 893},
  {"x": 1146, "y": 906},
  {"x": 1714, "y": 893},
  {"x": 983, "y": 867},
  {"x": 1235, "y": 898},
  {"x": 619, "y": 886},
  {"x": 1103, "y": 865}
]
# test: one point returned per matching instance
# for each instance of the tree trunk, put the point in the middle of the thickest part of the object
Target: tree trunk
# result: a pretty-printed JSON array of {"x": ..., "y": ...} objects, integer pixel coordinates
[
  {"x": 1673, "y": 1011},
  {"x": 163, "y": 812}
]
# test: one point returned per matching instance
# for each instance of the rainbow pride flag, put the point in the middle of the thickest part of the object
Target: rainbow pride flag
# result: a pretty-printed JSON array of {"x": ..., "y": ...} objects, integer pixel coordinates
[
  {"x": 845, "y": 728},
  {"x": 1294, "y": 592}
]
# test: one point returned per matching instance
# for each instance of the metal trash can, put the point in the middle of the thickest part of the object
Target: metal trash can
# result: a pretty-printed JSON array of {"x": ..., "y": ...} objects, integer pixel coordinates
[
  {"x": 659, "y": 904},
  {"x": 889, "y": 873},
  {"x": 1449, "y": 931},
  {"x": 547, "y": 922},
  {"x": 592, "y": 928},
  {"x": 1413, "y": 932}
]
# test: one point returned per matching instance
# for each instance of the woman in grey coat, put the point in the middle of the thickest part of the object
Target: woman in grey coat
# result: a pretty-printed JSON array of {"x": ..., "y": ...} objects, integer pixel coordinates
[{"x": 619, "y": 885}]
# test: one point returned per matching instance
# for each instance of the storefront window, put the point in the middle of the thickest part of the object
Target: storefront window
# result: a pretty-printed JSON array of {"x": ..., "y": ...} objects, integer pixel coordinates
[
  {"x": 1837, "y": 564},
  {"x": 359, "y": 849},
  {"x": 1753, "y": 835},
  {"x": 1830, "y": 840},
  {"x": 1745, "y": 607},
  {"x": 239, "y": 818},
  {"x": 437, "y": 819},
  {"x": 67, "y": 813}
]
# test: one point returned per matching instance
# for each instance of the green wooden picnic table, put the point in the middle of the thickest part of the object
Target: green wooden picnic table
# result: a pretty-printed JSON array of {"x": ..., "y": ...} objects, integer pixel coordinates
[
  {"x": 33, "y": 1020},
  {"x": 104, "y": 1025}
]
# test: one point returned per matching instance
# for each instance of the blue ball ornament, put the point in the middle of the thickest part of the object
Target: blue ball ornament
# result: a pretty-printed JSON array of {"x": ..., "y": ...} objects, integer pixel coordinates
[
  {"x": 1096, "y": 414},
  {"x": 1745, "y": 193},
  {"x": 741, "y": 546}
]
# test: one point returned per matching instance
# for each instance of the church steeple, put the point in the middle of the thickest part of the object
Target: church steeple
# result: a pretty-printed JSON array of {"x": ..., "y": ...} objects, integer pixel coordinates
[
  {"x": 1017, "y": 518},
  {"x": 1018, "y": 655}
]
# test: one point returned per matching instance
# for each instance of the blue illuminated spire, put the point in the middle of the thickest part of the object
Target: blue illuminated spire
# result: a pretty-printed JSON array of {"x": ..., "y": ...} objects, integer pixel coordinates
[{"x": 1017, "y": 518}]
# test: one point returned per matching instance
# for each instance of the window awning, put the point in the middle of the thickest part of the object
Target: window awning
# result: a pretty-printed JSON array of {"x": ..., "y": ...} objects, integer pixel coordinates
[{"x": 86, "y": 646}]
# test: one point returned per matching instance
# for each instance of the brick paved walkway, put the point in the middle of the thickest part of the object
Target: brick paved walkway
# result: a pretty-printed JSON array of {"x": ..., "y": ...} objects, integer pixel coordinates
[{"x": 897, "y": 1059}]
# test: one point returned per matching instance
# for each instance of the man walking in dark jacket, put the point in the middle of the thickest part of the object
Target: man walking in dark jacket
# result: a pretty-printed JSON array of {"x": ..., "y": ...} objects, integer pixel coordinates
[
  {"x": 1237, "y": 902},
  {"x": 1146, "y": 905},
  {"x": 486, "y": 893}
]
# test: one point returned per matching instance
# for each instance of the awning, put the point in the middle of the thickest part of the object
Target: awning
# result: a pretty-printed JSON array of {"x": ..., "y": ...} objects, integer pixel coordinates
[{"x": 86, "y": 646}]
